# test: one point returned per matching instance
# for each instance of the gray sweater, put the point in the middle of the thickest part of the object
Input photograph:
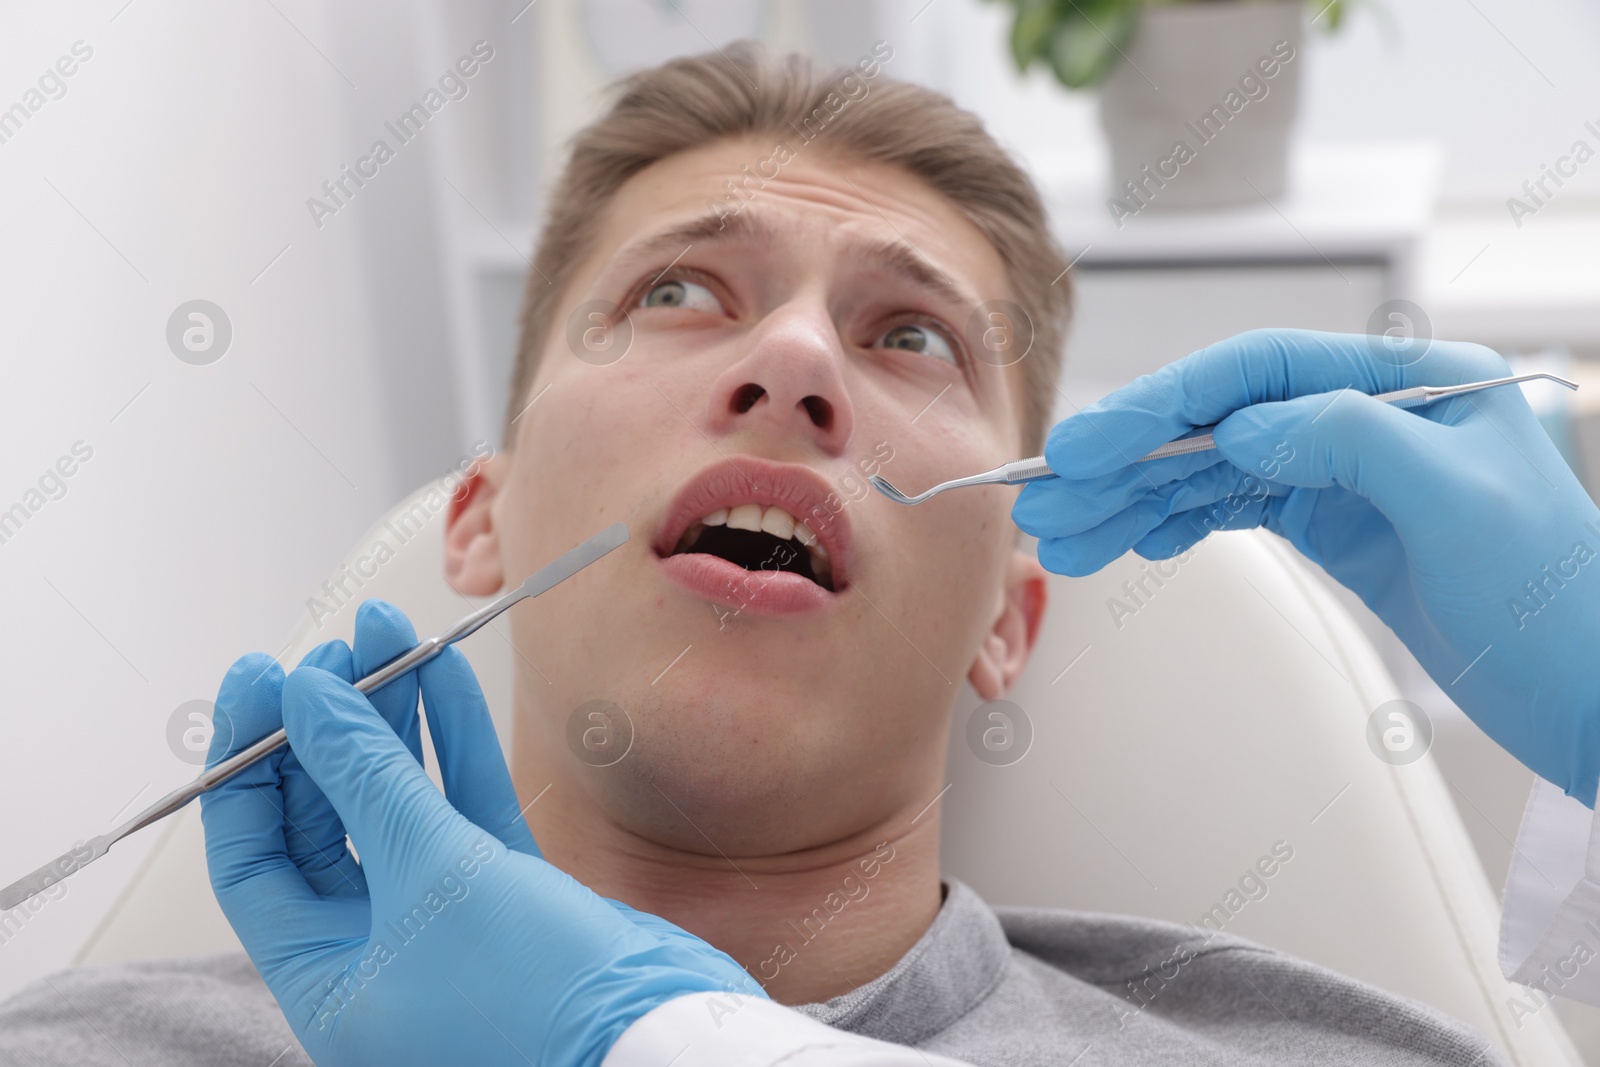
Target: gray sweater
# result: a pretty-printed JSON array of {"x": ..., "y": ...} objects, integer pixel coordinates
[{"x": 1006, "y": 986}]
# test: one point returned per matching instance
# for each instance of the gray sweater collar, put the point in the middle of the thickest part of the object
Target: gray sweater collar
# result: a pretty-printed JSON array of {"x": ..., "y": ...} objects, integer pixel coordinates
[{"x": 950, "y": 969}]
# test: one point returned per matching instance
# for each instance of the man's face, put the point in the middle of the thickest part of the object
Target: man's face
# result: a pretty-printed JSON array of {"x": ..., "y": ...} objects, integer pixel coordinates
[{"x": 779, "y": 695}]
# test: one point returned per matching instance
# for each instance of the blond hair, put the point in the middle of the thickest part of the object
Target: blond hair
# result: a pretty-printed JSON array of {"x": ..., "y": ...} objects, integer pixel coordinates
[{"x": 745, "y": 91}]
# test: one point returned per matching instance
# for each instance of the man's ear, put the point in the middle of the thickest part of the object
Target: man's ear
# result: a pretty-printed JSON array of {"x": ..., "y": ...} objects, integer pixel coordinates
[
  {"x": 471, "y": 540},
  {"x": 1015, "y": 629}
]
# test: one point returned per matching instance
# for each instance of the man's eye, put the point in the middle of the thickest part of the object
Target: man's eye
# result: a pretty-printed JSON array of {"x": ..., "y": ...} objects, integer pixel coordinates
[
  {"x": 922, "y": 339},
  {"x": 680, "y": 294}
]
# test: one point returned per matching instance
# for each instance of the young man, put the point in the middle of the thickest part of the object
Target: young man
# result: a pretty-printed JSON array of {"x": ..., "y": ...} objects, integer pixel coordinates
[{"x": 757, "y": 284}]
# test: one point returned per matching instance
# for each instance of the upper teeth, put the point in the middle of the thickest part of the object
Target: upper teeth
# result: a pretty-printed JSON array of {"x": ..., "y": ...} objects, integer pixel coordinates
[{"x": 771, "y": 519}]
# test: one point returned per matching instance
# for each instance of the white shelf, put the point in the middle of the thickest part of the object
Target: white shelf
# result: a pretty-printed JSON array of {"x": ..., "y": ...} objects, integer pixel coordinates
[
  {"x": 1348, "y": 201},
  {"x": 1486, "y": 280}
]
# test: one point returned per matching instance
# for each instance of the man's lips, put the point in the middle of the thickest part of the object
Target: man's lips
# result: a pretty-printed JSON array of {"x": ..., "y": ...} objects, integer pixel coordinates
[{"x": 750, "y": 480}]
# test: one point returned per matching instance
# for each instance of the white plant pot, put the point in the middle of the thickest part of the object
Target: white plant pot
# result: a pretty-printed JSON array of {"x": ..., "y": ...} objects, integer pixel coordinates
[{"x": 1198, "y": 112}]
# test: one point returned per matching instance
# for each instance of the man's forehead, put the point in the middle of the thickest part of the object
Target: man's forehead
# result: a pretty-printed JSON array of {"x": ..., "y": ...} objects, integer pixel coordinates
[{"x": 868, "y": 213}]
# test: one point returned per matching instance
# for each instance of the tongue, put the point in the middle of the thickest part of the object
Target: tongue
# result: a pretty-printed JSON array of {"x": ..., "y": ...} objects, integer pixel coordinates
[{"x": 754, "y": 550}]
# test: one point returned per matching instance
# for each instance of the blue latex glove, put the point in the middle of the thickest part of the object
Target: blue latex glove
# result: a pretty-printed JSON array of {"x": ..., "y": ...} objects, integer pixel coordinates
[
  {"x": 1438, "y": 517},
  {"x": 452, "y": 940}
]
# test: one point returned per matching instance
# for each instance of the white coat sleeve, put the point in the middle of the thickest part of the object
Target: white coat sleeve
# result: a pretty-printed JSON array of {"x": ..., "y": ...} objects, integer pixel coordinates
[
  {"x": 735, "y": 1030},
  {"x": 1550, "y": 918}
]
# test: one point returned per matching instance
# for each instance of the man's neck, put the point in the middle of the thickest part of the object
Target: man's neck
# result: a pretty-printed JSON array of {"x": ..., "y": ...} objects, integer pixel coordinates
[{"x": 808, "y": 926}]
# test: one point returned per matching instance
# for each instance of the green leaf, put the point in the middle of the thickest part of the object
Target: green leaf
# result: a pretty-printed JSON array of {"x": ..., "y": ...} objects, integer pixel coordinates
[
  {"x": 1030, "y": 32},
  {"x": 1328, "y": 14},
  {"x": 1089, "y": 38}
]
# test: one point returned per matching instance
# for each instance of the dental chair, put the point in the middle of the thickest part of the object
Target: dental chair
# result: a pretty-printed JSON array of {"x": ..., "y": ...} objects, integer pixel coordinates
[{"x": 1168, "y": 735}]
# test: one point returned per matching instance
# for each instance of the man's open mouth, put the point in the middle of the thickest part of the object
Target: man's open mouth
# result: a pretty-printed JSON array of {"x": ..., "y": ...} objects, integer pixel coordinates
[
  {"x": 760, "y": 538},
  {"x": 764, "y": 537}
]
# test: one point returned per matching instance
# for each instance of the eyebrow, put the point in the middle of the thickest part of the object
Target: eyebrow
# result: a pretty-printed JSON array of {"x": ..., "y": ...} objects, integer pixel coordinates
[
  {"x": 899, "y": 258},
  {"x": 902, "y": 259}
]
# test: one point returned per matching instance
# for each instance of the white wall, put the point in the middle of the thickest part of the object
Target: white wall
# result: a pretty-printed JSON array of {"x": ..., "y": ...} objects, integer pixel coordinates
[
  {"x": 177, "y": 166},
  {"x": 1505, "y": 84}
]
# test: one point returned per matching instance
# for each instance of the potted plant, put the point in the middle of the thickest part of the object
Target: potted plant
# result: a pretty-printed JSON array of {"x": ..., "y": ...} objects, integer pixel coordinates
[{"x": 1197, "y": 97}]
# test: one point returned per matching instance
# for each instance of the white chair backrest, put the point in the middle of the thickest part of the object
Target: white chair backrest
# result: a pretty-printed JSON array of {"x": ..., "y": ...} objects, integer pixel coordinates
[{"x": 1198, "y": 750}]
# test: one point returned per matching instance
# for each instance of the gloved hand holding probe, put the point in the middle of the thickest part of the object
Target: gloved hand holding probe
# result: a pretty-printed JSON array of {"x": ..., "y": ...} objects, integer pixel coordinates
[
  {"x": 1459, "y": 524},
  {"x": 451, "y": 940}
]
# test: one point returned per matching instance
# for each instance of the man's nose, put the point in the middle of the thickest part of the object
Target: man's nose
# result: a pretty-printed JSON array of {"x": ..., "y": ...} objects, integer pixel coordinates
[{"x": 789, "y": 382}]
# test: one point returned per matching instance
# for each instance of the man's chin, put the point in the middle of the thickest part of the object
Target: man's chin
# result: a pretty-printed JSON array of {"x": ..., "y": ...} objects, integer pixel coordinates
[{"x": 747, "y": 767}]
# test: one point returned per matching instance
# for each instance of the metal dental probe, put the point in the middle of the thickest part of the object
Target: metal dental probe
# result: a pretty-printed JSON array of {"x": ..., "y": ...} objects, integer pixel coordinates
[
  {"x": 546, "y": 577},
  {"x": 1027, "y": 470}
]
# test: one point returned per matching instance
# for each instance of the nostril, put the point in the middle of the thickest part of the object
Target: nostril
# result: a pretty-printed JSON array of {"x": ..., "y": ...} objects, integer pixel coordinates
[
  {"x": 820, "y": 410},
  {"x": 746, "y": 398}
]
